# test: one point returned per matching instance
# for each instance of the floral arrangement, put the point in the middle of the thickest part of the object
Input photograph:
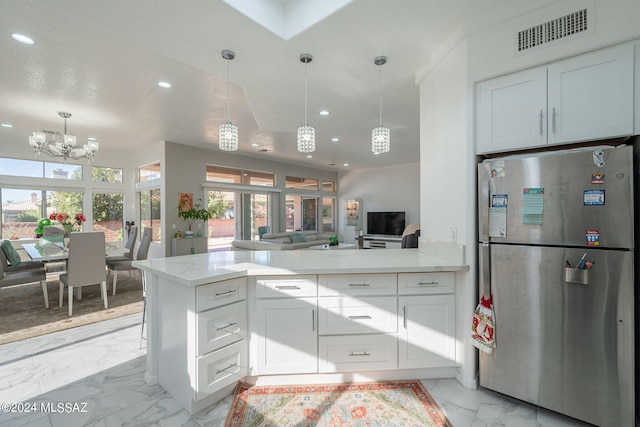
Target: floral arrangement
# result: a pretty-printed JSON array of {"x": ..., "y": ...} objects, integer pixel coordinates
[{"x": 66, "y": 221}]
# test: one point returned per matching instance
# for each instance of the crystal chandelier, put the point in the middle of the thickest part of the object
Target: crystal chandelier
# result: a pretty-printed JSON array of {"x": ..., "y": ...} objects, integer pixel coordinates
[
  {"x": 306, "y": 133},
  {"x": 62, "y": 145},
  {"x": 380, "y": 136},
  {"x": 228, "y": 133}
]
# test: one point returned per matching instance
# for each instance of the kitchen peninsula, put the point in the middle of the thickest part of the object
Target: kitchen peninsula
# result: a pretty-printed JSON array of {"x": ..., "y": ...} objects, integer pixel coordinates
[{"x": 299, "y": 316}]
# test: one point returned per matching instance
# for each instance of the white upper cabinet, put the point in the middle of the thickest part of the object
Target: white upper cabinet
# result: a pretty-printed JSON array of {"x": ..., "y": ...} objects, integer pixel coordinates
[
  {"x": 584, "y": 98},
  {"x": 591, "y": 96},
  {"x": 511, "y": 111}
]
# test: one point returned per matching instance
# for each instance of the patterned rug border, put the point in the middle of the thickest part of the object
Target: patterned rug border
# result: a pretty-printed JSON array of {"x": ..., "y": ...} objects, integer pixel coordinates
[{"x": 243, "y": 391}]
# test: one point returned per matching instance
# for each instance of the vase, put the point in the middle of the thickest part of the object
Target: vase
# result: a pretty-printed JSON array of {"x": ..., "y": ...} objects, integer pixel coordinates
[{"x": 68, "y": 228}]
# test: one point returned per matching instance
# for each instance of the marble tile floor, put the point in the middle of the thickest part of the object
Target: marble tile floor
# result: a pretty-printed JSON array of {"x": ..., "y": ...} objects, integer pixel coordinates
[{"x": 96, "y": 373}]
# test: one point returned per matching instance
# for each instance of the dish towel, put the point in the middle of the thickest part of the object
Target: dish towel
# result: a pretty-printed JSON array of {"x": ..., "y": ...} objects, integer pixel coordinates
[{"x": 483, "y": 328}]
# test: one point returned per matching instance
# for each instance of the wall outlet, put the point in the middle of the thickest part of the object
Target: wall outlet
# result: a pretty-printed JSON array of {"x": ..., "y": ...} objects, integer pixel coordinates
[{"x": 454, "y": 234}]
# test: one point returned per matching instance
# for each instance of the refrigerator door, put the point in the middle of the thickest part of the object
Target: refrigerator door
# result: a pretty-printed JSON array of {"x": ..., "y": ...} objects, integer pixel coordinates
[
  {"x": 583, "y": 195},
  {"x": 564, "y": 337}
]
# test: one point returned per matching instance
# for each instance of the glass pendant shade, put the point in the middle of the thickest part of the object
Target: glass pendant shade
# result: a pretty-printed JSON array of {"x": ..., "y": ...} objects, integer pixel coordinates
[
  {"x": 228, "y": 138},
  {"x": 380, "y": 140},
  {"x": 306, "y": 139}
]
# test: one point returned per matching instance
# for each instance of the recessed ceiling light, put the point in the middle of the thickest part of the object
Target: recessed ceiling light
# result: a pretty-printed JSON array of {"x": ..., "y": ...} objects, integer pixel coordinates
[
  {"x": 309, "y": 156},
  {"x": 6, "y": 125},
  {"x": 22, "y": 38},
  {"x": 335, "y": 139},
  {"x": 255, "y": 144},
  {"x": 375, "y": 154},
  {"x": 346, "y": 164},
  {"x": 91, "y": 138},
  {"x": 165, "y": 85},
  {"x": 324, "y": 113}
]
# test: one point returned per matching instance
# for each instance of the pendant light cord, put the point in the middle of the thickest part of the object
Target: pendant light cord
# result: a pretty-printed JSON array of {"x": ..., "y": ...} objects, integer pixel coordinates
[
  {"x": 305, "y": 95},
  {"x": 228, "y": 97},
  {"x": 380, "y": 94}
]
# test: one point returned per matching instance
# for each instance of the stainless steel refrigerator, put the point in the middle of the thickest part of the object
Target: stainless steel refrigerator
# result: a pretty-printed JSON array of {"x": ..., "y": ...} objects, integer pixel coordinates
[{"x": 564, "y": 321}]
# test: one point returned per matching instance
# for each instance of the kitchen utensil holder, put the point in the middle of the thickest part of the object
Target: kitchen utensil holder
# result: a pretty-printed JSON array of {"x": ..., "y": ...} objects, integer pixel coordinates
[{"x": 579, "y": 276}]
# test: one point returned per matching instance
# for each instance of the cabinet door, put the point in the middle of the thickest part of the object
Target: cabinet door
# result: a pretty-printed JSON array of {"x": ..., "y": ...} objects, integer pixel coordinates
[
  {"x": 511, "y": 111},
  {"x": 591, "y": 96},
  {"x": 426, "y": 326},
  {"x": 287, "y": 336}
]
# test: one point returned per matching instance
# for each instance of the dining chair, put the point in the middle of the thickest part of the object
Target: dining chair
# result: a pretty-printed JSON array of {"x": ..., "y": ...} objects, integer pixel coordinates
[
  {"x": 125, "y": 265},
  {"x": 129, "y": 246},
  {"x": 50, "y": 230},
  {"x": 85, "y": 266},
  {"x": 23, "y": 277},
  {"x": 12, "y": 261}
]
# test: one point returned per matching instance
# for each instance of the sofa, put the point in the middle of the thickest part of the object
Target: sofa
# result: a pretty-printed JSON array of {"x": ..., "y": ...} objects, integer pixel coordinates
[{"x": 283, "y": 241}]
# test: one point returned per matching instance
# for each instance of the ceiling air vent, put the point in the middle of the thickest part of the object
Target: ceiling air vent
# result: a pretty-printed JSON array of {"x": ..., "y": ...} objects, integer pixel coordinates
[{"x": 556, "y": 29}]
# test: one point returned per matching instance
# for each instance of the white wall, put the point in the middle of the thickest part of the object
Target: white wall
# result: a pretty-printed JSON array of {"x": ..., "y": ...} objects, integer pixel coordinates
[
  {"x": 391, "y": 188},
  {"x": 447, "y": 161}
]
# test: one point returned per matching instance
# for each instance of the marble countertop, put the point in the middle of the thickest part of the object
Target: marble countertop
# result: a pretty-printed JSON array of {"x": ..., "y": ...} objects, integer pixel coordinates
[{"x": 198, "y": 269}]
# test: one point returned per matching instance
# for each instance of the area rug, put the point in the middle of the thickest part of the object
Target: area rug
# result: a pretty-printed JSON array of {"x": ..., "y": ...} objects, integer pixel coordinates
[
  {"x": 388, "y": 404},
  {"x": 23, "y": 314}
]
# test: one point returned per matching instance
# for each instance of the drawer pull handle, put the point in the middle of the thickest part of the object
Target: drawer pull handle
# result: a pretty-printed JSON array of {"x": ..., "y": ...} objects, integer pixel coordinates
[
  {"x": 404, "y": 316},
  {"x": 359, "y": 317},
  {"x": 232, "y": 291},
  {"x": 359, "y": 285},
  {"x": 364, "y": 353},
  {"x": 428, "y": 283},
  {"x": 226, "y": 326},
  {"x": 233, "y": 365},
  {"x": 286, "y": 287}
]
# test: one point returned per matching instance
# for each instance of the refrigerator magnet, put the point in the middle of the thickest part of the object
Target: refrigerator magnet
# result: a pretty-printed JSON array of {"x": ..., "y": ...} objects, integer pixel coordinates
[
  {"x": 499, "y": 200},
  {"x": 597, "y": 178},
  {"x": 593, "y": 237},
  {"x": 594, "y": 197}
]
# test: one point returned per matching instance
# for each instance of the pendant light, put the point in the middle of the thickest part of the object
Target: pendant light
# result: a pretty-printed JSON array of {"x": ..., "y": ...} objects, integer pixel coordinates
[
  {"x": 228, "y": 136},
  {"x": 380, "y": 136},
  {"x": 306, "y": 133}
]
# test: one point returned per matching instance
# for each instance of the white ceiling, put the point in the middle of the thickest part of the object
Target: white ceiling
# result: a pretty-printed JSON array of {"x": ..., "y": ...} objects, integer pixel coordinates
[{"x": 101, "y": 61}]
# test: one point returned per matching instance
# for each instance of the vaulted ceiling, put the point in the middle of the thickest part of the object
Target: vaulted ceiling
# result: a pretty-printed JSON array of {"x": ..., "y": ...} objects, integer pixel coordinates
[{"x": 101, "y": 60}]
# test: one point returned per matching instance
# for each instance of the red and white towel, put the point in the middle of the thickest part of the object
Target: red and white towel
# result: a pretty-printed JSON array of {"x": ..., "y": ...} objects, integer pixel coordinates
[{"x": 483, "y": 328}]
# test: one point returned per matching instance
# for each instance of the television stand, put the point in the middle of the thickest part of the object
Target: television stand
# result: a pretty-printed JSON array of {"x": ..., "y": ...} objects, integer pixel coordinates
[{"x": 382, "y": 242}]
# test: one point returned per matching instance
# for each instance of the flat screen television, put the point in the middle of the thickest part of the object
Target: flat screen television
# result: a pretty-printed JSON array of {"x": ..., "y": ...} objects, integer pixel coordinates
[{"x": 385, "y": 223}]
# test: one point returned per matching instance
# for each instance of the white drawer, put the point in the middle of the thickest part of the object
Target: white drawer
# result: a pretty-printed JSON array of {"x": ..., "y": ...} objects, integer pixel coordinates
[
  {"x": 357, "y": 284},
  {"x": 221, "y": 326},
  {"x": 363, "y": 315},
  {"x": 220, "y": 293},
  {"x": 221, "y": 368},
  {"x": 425, "y": 283},
  {"x": 357, "y": 353},
  {"x": 286, "y": 286}
]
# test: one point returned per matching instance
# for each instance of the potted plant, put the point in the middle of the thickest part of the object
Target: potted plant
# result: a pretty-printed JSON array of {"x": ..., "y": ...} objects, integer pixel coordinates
[{"x": 191, "y": 214}]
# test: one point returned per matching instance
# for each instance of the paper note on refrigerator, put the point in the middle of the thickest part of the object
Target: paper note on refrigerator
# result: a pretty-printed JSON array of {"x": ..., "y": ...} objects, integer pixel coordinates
[
  {"x": 532, "y": 205},
  {"x": 498, "y": 221}
]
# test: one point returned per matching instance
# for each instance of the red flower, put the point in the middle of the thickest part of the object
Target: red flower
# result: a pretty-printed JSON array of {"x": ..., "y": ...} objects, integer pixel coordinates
[
  {"x": 80, "y": 218},
  {"x": 61, "y": 217}
]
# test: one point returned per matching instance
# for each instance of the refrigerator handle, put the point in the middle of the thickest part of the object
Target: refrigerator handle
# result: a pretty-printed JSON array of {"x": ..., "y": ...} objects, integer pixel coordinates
[
  {"x": 483, "y": 211},
  {"x": 484, "y": 278}
]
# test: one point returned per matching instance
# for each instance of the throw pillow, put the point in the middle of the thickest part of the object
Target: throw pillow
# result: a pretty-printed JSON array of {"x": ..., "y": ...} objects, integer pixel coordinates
[
  {"x": 12, "y": 255},
  {"x": 298, "y": 237}
]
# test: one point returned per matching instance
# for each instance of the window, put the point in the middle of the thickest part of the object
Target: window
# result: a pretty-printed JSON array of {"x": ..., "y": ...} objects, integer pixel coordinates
[
  {"x": 149, "y": 172},
  {"x": 37, "y": 169},
  {"x": 21, "y": 211},
  {"x": 328, "y": 186},
  {"x": 328, "y": 214},
  {"x": 300, "y": 213},
  {"x": 100, "y": 174},
  {"x": 150, "y": 212},
  {"x": 302, "y": 183},
  {"x": 107, "y": 215},
  {"x": 239, "y": 176}
]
